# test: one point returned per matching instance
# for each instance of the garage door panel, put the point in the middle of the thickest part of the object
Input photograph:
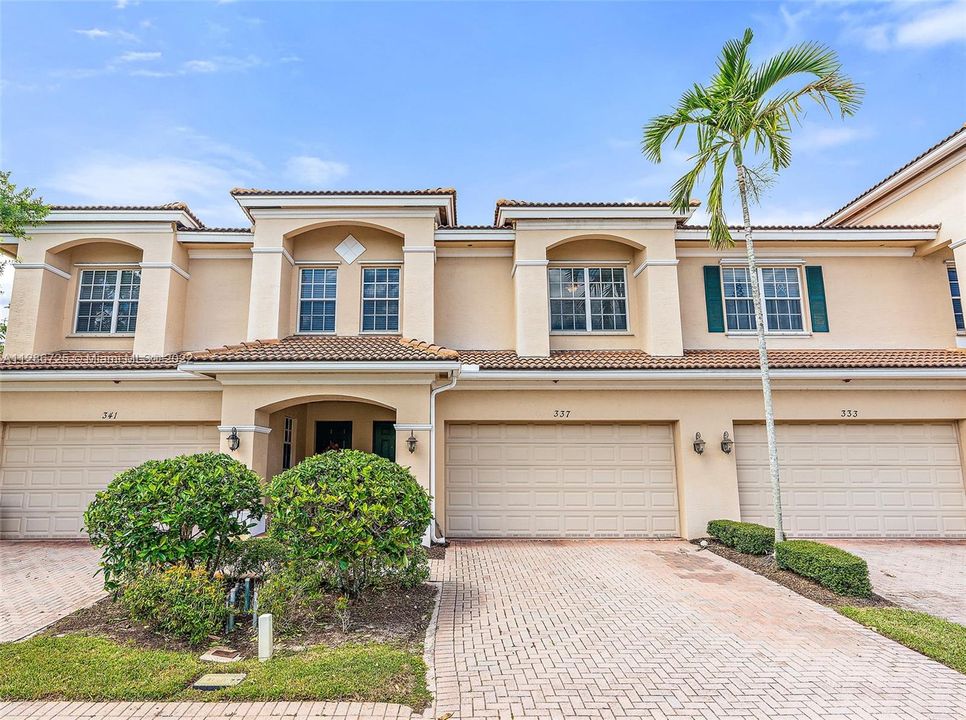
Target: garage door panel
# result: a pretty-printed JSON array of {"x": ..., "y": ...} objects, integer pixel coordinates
[
  {"x": 50, "y": 473},
  {"x": 897, "y": 479},
  {"x": 579, "y": 480}
]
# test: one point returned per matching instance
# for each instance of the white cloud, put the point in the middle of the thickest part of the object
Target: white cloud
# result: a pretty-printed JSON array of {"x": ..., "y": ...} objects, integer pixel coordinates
[
  {"x": 315, "y": 171},
  {"x": 816, "y": 137},
  {"x": 223, "y": 63},
  {"x": 887, "y": 26},
  {"x": 139, "y": 56},
  {"x": 94, "y": 33},
  {"x": 936, "y": 27}
]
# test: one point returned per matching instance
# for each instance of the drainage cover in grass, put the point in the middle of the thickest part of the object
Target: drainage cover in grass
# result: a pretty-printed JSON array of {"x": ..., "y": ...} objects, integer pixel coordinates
[{"x": 218, "y": 681}]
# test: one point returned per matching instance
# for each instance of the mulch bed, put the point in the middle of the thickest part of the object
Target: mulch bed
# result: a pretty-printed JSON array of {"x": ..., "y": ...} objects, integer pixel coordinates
[
  {"x": 765, "y": 566},
  {"x": 437, "y": 552},
  {"x": 398, "y": 616}
]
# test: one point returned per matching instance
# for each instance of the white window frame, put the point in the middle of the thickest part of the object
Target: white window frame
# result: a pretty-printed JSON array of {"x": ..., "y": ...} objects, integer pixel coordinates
[
  {"x": 588, "y": 315},
  {"x": 333, "y": 300},
  {"x": 362, "y": 300},
  {"x": 117, "y": 300},
  {"x": 288, "y": 437},
  {"x": 802, "y": 298},
  {"x": 951, "y": 265}
]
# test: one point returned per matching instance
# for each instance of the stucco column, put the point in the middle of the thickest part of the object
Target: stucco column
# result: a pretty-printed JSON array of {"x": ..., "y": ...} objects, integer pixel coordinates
[
  {"x": 661, "y": 308},
  {"x": 253, "y": 439},
  {"x": 532, "y": 307},
  {"x": 959, "y": 255},
  {"x": 37, "y": 305},
  {"x": 707, "y": 483},
  {"x": 270, "y": 265},
  {"x": 418, "y": 461},
  {"x": 419, "y": 290},
  {"x": 161, "y": 308}
]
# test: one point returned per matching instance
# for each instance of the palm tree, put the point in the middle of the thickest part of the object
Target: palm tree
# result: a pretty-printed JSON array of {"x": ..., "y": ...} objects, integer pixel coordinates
[{"x": 746, "y": 112}]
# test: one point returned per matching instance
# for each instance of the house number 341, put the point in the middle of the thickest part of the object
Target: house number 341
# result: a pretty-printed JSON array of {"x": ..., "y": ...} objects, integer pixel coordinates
[{"x": 109, "y": 415}]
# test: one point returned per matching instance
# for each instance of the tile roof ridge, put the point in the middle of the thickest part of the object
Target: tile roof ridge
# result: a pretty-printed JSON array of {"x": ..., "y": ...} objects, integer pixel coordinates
[{"x": 432, "y": 348}]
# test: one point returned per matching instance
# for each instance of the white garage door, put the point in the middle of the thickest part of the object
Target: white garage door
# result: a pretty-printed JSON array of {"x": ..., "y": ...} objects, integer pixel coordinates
[
  {"x": 49, "y": 473},
  {"x": 901, "y": 480},
  {"x": 560, "y": 481}
]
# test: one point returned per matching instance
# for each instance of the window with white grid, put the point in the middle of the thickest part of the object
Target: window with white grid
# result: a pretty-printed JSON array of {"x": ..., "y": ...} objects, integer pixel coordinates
[
  {"x": 317, "y": 300},
  {"x": 107, "y": 301},
  {"x": 288, "y": 434},
  {"x": 380, "y": 299},
  {"x": 781, "y": 294},
  {"x": 588, "y": 299},
  {"x": 957, "y": 296}
]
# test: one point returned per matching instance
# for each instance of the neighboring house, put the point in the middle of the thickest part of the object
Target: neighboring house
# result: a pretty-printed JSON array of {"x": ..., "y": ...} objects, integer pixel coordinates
[{"x": 544, "y": 377}]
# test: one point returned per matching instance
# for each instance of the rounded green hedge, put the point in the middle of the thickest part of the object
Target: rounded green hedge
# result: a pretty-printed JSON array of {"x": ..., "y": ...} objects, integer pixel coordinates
[
  {"x": 359, "y": 516},
  {"x": 836, "y": 569},
  {"x": 744, "y": 537},
  {"x": 185, "y": 509}
]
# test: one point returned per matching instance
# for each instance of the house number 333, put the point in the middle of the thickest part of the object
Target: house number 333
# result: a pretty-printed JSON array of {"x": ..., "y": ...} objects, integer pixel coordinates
[{"x": 850, "y": 413}]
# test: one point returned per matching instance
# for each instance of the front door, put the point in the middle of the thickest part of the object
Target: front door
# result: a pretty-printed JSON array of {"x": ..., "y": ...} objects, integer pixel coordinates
[
  {"x": 384, "y": 439},
  {"x": 333, "y": 435}
]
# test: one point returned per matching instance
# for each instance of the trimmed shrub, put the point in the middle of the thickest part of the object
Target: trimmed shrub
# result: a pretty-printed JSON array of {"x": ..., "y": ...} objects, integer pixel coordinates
[
  {"x": 257, "y": 556},
  {"x": 357, "y": 515},
  {"x": 743, "y": 537},
  {"x": 178, "y": 601},
  {"x": 832, "y": 567},
  {"x": 184, "y": 509}
]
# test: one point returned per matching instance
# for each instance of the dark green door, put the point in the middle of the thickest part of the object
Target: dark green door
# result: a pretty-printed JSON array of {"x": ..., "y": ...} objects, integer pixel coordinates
[
  {"x": 384, "y": 439},
  {"x": 331, "y": 435}
]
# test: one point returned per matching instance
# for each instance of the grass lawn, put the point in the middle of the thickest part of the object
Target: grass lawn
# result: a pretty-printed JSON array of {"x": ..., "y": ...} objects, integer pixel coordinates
[
  {"x": 77, "y": 667},
  {"x": 938, "y": 639}
]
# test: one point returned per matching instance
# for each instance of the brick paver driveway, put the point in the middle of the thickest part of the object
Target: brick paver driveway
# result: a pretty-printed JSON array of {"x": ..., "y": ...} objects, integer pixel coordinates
[
  {"x": 926, "y": 575},
  {"x": 610, "y": 629},
  {"x": 40, "y": 582}
]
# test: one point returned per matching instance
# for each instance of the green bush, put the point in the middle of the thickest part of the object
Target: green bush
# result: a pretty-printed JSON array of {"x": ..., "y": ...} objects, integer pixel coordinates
[
  {"x": 178, "y": 601},
  {"x": 743, "y": 537},
  {"x": 416, "y": 570},
  {"x": 180, "y": 510},
  {"x": 357, "y": 515},
  {"x": 836, "y": 569},
  {"x": 257, "y": 556},
  {"x": 293, "y": 596}
]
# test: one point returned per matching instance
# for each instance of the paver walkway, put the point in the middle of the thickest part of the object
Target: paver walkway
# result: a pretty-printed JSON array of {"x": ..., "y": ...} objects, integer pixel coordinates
[
  {"x": 623, "y": 629},
  {"x": 611, "y": 629},
  {"x": 40, "y": 582},
  {"x": 925, "y": 575}
]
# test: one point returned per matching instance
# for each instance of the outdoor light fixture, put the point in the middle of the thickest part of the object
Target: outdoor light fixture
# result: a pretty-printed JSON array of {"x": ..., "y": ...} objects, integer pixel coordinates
[
  {"x": 698, "y": 443},
  {"x": 233, "y": 440},
  {"x": 411, "y": 442},
  {"x": 726, "y": 443}
]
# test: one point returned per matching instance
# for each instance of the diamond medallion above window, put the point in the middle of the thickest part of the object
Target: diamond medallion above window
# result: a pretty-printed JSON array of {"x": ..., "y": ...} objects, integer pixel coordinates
[{"x": 350, "y": 249}]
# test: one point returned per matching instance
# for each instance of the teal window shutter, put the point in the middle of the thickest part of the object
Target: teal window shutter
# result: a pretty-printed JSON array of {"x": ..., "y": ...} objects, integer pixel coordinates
[
  {"x": 712, "y": 298},
  {"x": 816, "y": 298}
]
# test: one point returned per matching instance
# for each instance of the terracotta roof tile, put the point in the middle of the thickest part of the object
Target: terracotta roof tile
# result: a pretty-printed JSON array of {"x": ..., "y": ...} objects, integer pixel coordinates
[
  {"x": 892, "y": 175},
  {"x": 715, "y": 359},
  {"x": 89, "y": 360},
  {"x": 425, "y": 191},
  {"x": 737, "y": 228},
  {"x": 327, "y": 348},
  {"x": 167, "y": 206},
  {"x": 219, "y": 230},
  {"x": 504, "y": 202}
]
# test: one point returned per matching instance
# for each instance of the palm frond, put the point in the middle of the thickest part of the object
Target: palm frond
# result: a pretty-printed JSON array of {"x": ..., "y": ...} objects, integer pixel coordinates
[{"x": 719, "y": 236}]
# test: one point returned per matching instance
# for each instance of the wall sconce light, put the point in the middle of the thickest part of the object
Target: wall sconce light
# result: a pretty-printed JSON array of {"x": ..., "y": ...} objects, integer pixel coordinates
[
  {"x": 699, "y": 443},
  {"x": 727, "y": 443},
  {"x": 411, "y": 442},
  {"x": 233, "y": 440}
]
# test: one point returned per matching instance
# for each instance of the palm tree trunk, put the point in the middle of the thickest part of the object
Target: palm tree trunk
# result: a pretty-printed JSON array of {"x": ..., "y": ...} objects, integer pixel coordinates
[{"x": 776, "y": 490}]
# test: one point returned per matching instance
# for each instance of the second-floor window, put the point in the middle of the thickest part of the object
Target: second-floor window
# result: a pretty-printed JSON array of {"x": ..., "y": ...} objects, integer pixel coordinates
[
  {"x": 781, "y": 293},
  {"x": 588, "y": 299},
  {"x": 957, "y": 295},
  {"x": 107, "y": 301},
  {"x": 317, "y": 300},
  {"x": 380, "y": 299}
]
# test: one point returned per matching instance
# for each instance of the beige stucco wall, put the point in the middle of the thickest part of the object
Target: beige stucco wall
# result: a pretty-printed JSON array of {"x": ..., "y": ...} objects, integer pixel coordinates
[
  {"x": 216, "y": 308},
  {"x": 474, "y": 302},
  {"x": 707, "y": 484},
  {"x": 872, "y": 301}
]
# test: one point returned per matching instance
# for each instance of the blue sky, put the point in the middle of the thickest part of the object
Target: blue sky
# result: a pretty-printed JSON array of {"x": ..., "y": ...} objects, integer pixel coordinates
[{"x": 148, "y": 102}]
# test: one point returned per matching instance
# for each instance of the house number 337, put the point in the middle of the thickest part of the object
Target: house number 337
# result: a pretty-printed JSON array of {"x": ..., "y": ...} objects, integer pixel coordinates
[{"x": 561, "y": 413}]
